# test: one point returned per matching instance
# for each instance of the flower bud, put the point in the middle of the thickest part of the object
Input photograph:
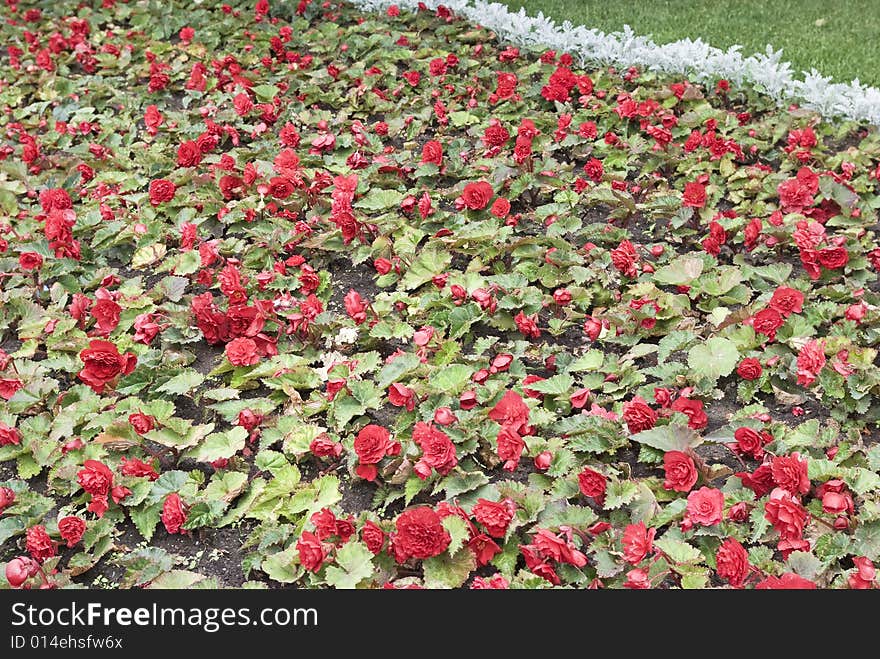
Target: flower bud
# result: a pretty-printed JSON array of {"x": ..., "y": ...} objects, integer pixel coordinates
[
  {"x": 543, "y": 460},
  {"x": 18, "y": 571}
]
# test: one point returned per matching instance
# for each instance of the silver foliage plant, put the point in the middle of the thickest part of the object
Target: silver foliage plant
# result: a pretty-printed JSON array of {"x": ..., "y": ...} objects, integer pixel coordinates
[{"x": 766, "y": 72}]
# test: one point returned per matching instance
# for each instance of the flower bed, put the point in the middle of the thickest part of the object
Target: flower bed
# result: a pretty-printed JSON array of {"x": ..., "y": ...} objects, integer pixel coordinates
[{"x": 311, "y": 296}]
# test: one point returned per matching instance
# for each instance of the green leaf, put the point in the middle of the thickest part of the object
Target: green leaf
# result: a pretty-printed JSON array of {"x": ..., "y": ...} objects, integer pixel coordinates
[
  {"x": 378, "y": 199},
  {"x": 298, "y": 440},
  {"x": 411, "y": 488},
  {"x": 354, "y": 563},
  {"x": 804, "y": 564},
  {"x": 674, "y": 341},
  {"x": 182, "y": 383},
  {"x": 283, "y": 566},
  {"x": 678, "y": 550},
  {"x": 458, "y": 531},
  {"x": 219, "y": 445},
  {"x": 681, "y": 271},
  {"x": 168, "y": 482},
  {"x": 560, "y": 513},
  {"x": 620, "y": 493},
  {"x": 459, "y": 482},
  {"x": 265, "y": 92},
  {"x": 866, "y": 540},
  {"x": 225, "y": 486},
  {"x": 399, "y": 367},
  {"x": 445, "y": 571},
  {"x": 668, "y": 438},
  {"x": 11, "y": 527},
  {"x": 270, "y": 461},
  {"x": 146, "y": 519},
  {"x": 320, "y": 493},
  {"x": 589, "y": 361},
  {"x": 429, "y": 263},
  {"x": 176, "y": 580},
  {"x": 556, "y": 385},
  {"x": 143, "y": 565},
  {"x": 147, "y": 255},
  {"x": 715, "y": 358},
  {"x": 451, "y": 379}
]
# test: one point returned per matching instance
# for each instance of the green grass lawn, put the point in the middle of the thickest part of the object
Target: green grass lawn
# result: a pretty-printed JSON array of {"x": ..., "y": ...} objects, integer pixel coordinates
[{"x": 840, "y": 39}]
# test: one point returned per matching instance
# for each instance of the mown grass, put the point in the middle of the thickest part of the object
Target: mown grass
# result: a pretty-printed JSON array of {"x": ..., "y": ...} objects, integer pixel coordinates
[{"x": 840, "y": 39}]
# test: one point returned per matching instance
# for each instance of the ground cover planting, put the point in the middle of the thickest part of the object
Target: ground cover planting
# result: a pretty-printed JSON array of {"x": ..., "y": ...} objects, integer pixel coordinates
[{"x": 299, "y": 295}]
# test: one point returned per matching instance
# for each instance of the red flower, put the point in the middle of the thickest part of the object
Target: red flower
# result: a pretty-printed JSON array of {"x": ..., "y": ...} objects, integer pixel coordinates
[
  {"x": 71, "y": 529},
  {"x": 786, "y": 514},
  {"x": 55, "y": 199},
  {"x": 511, "y": 411},
  {"x": 8, "y": 387},
  {"x": 242, "y": 352},
  {"x": 749, "y": 442},
  {"x": 95, "y": 478},
  {"x": 705, "y": 506},
  {"x": 312, "y": 552},
  {"x": 788, "y": 581},
  {"x": 106, "y": 314},
  {"x": 19, "y": 570},
  {"x": 500, "y": 208},
  {"x": 30, "y": 261},
  {"x": 810, "y": 361},
  {"x": 322, "y": 446},
  {"x": 594, "y": 169},
  {"x": 732, "y": 562},
  {"x": 787, "y": 301},
  {"x": 373, "y": 536},
  {"x": 552, "y": 546},
  {"x": 527, "y": 325},
  {"x": 624, "y": 257},
  {"x": 142, "y": 423},
  {"x": 39, "y": 545},
  {"x": 538, "y": 565},
  {"x": 355, "y": 306},
  {"x": 420, "y": 534},
  {"x": 438, "y": 451},
  {"x": 767, "y": 321},
  {"x": 796, "y": 194},
  {"x": 637, "y": 580},
  {"x": 760, "y": 481},
  {"x": 833, "y": 257},
  {"x": 383, "y": 266},
  {"x": 694, "y": 195},
  {"x": 188, "y": 154},
  {"x": 161, "y": 190},
  {"x": 864, "y": 576},
  {"x": 790, "y": 473},
  {"x": 401, "y": 396},
  {"x": 638, "y": 541},
  {"x": 102, "y": 363},
  {"x": 749, "y": 369},
  {"x": 9, "y": 435},
  {"x": 497, "y": 582},
  {"x": 681, "y": 473},
  {"x": 592, "y": 484},
  {"x": 476, "y": 196},
  {"x": 638, "y": 415},
  {"x": 432, "y": 152},
  {"x": 371, "y": 445},
  {"x": 173, "y": 515},
  {"x": 693, "y": 409},
  {"x": 494, "y": 516},
  {"x": 138, "y": 469},
  {"x": 510, "y": 446}
]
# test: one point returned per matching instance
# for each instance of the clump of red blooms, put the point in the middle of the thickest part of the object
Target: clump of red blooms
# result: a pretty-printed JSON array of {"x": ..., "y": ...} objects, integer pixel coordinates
[{"x": 486, "y": 225}]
